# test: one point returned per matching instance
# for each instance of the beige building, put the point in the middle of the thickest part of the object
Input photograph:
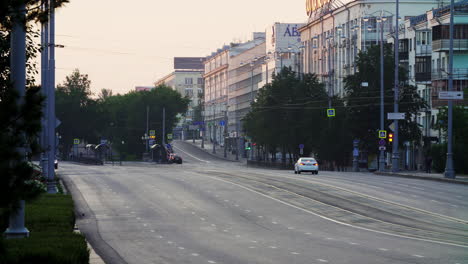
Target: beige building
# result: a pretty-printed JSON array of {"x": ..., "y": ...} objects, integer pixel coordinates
[
  {"x": 187, "y": 79},
  {"x": 336, "y": 31}
]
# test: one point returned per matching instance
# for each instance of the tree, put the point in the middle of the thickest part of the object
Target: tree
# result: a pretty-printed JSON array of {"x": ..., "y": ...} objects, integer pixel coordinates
[
  {"x": 291, "y": 111},
  {"x": 20, "y": 124},
  {"x": 460, "y": 141},
  {"x": 76, "y": 110},
  {"x": 363, "y": 102}
]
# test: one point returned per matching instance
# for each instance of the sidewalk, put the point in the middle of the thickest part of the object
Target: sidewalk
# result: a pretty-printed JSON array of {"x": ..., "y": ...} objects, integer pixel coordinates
[
  {"x": 459, "y": 179},
  {"x": 208, "y": 148}
]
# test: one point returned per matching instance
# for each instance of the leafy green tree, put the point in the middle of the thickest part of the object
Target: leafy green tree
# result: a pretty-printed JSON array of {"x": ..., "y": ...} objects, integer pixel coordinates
[
  {"x": 460, "y": 141},
  {"x": 363, "y": 103},
  {"x": 20, "y": 125},
  {"x": 291, "y": 111},
  {"x": 76, "y": 110}
]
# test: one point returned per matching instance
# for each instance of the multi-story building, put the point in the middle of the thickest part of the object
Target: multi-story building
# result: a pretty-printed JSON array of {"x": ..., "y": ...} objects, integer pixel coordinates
[
  {"x": 215, "y": 97},
  {"x": 244, "y": 76},
  {"x": 424, "y": 52},
  {"x": 337, "y": 30},
  {"x": 187, "y": 79}
]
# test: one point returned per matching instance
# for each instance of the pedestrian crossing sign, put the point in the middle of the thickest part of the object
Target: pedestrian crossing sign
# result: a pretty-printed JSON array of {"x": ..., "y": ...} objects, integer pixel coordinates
[
  {"x": 331, "y": 112},
  {"x": 382, "y": 133},
  {"x": 76, "y": 141}
]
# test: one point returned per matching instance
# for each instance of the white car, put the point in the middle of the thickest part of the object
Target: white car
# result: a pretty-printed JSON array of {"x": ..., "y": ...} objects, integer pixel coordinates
[{"x": 306, "y": 164}]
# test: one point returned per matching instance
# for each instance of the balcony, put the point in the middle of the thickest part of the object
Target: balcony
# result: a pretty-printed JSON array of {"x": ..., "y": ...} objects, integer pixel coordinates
[
  {"x": 442, "y": 45},
  {"x": 458, "y": 74},
  {"x": 423, "y": 50},
  {"x": 403, "y": 56},
  {"x": 423, "y": 76}
]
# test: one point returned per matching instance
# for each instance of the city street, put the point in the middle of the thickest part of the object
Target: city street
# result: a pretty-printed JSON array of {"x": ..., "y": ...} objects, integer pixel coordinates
[{"x": 209, "y": 210}]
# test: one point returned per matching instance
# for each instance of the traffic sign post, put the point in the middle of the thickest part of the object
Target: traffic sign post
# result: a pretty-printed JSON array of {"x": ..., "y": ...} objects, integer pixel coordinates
[
  {"x": 382, "y": 133},
  {"x": 301, "y": 149},
  {"x": 152, "y": 133},
  {"x": 395, "y": 116},
  {"x": 451, "y": 95}
]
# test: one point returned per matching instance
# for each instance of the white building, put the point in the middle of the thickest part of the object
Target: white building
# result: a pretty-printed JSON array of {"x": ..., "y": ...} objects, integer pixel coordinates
[
  {"x": 187, "y": 79},
  {"x": 423, "y": 51},
  {"x": 337, "y": 30}
]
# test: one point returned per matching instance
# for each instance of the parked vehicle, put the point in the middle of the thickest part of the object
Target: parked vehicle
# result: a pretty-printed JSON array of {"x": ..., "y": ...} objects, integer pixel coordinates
[{"x": 306, "y": 165}]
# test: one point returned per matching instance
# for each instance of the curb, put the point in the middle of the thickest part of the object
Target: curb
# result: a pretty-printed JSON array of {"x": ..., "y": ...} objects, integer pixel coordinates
[{"x": 421, "y": 177}]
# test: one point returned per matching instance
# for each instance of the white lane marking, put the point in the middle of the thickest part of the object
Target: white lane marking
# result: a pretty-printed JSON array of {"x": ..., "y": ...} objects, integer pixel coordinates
[
  {"x": 397, "y": 192},
  {"x": 210, "y": 261},
  {"x": 260, "y": 216},
  {"x": 236, "y": 205},
  {"x": 275, "y": 223},
  {"x": 383, "y": 249},
  {"x": 322, "y": 260},
  {"x": 201, "y": 218},
  {"x": 170, "y": 242},
  {"x": 308, "y": 233},
  {"x": 152, "y": 231},
  {"x": 226, "y": 201},
  {"x": 145, "y": 224},
  {"x": 294, "y": 253},
  {"x": 238, "y": 236},
  {"x": 353, "y": 243},
  {"x": 291, "y": 228},
  {"x": 273, "y": 247},
  {"x": 195, "y": 254},
  {"x": 191, "y": 155},
  {"x": 251, "y": 247},
  {"x": 181, "y": 248},
  {"x": 330, "y": 238},
  {"x": 138, "y": 218},
  {"x": 336, "y": 221},
  {"x": 415, "y": 196},
  {"x": 213, "y": 225},
  {"x": 160, "y": 237},
  {"x": 248, "y": 211},
  {"x": 225, "y": 230},
  {"x": 253, "y": 241},
  {"x": 454, "y": 205},
  {"x": 434, "y": 201},
  {"x": 193, "y": 213},
  {"x": 418, "y": 256}
]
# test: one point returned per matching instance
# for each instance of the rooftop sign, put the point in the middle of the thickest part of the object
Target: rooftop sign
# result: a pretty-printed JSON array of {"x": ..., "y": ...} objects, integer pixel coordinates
[{"x": 312, "y": 5}]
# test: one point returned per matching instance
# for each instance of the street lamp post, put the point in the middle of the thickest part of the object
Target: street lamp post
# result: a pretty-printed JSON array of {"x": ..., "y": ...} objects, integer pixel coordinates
[
  {"x": 449, "y": 168},
  {"x": 396, "y": 152},
  {"x": 381, "y": 19}
]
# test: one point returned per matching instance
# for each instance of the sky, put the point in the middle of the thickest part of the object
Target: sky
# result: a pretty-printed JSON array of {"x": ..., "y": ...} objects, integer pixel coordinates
[{"x": 122, "y": 44}]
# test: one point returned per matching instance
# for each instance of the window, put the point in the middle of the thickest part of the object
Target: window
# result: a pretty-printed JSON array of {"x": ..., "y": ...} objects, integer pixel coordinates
[
  {"x": 188, "y": 81},
  {"x": 200, "y": 81}
]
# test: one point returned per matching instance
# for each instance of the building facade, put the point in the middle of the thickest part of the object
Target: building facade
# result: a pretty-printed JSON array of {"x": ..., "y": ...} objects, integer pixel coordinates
[
  {"x": 424, "y": 53},
  {"x": 215, "y": 97},
  {"x": 338, "y": 30},
  {"x": 187, "y": 79}
]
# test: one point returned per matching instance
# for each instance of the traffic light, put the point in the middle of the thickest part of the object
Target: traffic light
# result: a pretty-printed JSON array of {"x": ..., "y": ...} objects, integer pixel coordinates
[
  {"x": 247, "y": 146},
  {"x": 390, "y": 137}
]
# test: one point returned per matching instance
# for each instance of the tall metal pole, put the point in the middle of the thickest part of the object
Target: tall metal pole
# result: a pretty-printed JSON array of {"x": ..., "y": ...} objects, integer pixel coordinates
[
  {"x": 147, "y": 128},
  {"x": 214, "y": 129},
  {"x": 381, "y": 157},
  {"x": 44, "y": 91},
  {"x": 51, "y": 187},
  {"x": 16, "y": 228},
  {"x": 164, "y": 127},
  {"x": 329, "y": 75},
  {"x": 396, "y": 153},
  {"x": 225, "y": 133},
  {"x": 449, "y": 168},
  {"x": 251, "y": 83}
]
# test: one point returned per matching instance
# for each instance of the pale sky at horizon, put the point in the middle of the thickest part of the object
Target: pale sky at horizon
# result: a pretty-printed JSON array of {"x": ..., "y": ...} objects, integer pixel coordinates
[{"x": 121, "y": 47}]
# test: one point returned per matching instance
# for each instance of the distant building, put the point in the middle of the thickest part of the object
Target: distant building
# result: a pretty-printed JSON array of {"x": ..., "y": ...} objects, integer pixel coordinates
[
  {"x": 187, "y": 79},
  {"x": 143, "y": 88},
  {"x": 424, "y": 53},
  {"x": 338, "y": 30}
]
